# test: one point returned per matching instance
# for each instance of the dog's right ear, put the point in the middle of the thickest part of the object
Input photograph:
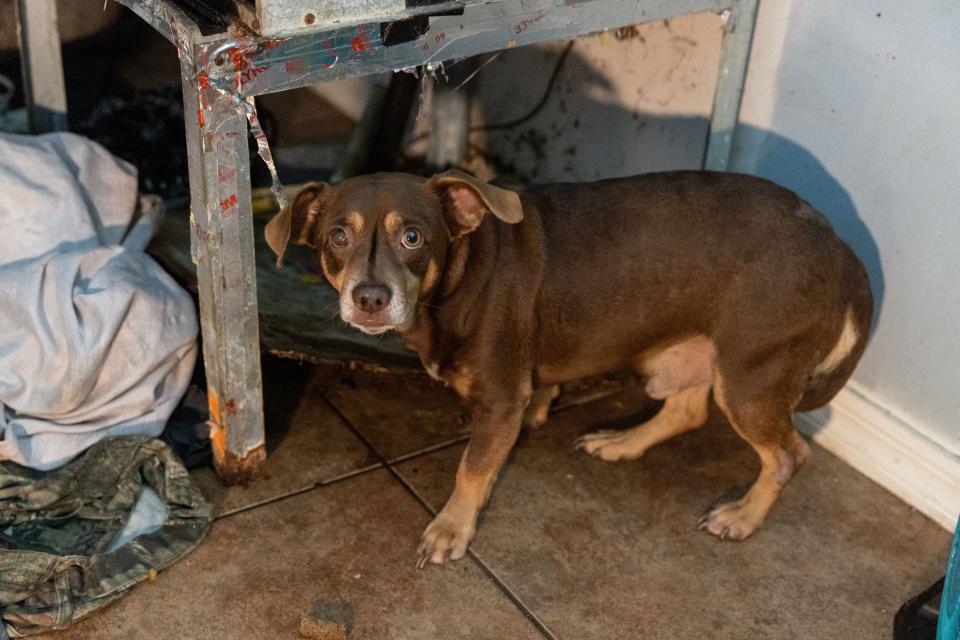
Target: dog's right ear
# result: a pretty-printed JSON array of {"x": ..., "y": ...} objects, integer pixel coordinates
[
  {"x": 467, "y": 199},
  {"x": 297, "y": 222}
]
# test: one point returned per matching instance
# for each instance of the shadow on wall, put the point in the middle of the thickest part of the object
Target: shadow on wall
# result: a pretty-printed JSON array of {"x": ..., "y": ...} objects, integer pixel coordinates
[
  {"x": 791, "y": 165},
  {"x": 594, "y": 123},
  {"x": 587, "y": 130}
]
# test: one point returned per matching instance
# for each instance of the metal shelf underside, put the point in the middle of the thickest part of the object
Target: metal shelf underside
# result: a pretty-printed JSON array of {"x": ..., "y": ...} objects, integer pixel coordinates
[{"x": 248, "y": 64}]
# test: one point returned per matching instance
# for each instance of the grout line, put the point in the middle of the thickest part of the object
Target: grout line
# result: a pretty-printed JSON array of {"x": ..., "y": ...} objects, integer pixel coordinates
[
  {"x": 302, "y": 490},
  {"x": 383, "y": 462},
  {"x": 513, "y": 597},
  {"x": 501, "y": 585},
  {"x": 344, "y": 476},
  {"x": 430, "y": 449},
  {"x": 588, "y": 398}
]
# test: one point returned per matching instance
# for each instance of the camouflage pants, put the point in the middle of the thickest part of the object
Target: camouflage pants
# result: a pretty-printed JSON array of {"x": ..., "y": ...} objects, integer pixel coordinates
[{"x": 58, "y": 526}]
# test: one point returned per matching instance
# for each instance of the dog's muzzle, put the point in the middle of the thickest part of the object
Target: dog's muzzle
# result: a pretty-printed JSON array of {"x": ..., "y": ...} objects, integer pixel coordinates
[{"x": 373, "y": 308}]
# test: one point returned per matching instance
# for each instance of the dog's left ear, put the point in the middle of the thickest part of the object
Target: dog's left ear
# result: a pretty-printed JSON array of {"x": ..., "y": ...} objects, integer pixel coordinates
[
  {"x": 296, "y": 223},
  {"x": 467, "y": 199}
]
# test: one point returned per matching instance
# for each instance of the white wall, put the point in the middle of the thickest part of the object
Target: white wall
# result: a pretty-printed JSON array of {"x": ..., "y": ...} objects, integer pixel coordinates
[
  {"x": 639, "y": 102},
  {"x": 856, "y": 106},
  {"x": 624, "y": 103}
]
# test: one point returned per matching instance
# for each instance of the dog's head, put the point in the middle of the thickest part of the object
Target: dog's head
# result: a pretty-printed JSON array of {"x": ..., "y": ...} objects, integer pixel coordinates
[{"x": 382, "y": 239}]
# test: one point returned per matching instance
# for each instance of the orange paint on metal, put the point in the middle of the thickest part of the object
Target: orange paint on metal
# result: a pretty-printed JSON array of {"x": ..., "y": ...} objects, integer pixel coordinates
[
  {"x": 239, "y": 58},
  {"x": 218, "y": 430},
  {"x": 361, "y": 43},
  {"x": 246, "y": 76},
  {"x": 227, "y": 204},
  {"x": 230, "y": 467},
  {"x": 213, "y": 403}
]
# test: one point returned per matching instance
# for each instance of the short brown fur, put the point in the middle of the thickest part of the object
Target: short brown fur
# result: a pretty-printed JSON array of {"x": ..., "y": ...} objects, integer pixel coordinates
[{"x": 695, "y": 279}]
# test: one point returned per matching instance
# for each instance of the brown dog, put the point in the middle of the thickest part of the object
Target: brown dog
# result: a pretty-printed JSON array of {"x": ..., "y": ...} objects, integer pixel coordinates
[{"x": 697, "y": 280}]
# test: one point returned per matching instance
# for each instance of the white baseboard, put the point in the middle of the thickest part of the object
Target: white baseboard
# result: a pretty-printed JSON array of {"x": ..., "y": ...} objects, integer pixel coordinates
[{"x": 888, "y": 450}]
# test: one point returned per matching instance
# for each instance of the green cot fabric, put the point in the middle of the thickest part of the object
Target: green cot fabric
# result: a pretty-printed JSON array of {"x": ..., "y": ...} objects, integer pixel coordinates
[{"x": 56, "y": 528}]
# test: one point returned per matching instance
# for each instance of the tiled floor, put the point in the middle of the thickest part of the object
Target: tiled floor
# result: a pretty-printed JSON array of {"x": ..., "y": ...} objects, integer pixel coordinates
[{"x": 570, "y": 547}]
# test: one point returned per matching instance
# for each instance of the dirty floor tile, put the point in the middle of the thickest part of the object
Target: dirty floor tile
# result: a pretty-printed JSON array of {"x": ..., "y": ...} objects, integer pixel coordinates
[
  {"x": 307, "y": 443},
  {"x": 611, "y": 550},
  {"x": 422, "y": 412},
  {"x": 348, "y": 547}
]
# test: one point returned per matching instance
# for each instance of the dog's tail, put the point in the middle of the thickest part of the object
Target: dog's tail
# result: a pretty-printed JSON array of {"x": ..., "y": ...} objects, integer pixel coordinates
[{"x": 833, "y": 372}]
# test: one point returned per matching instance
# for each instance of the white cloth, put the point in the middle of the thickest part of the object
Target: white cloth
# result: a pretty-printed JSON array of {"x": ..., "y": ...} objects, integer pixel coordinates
[{"x": 96, "y": 339}]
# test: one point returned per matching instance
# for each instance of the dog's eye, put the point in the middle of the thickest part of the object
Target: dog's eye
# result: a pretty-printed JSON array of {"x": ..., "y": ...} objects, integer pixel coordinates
[
  {"x": 339, "y": 237},
  {"x": 411, "y": 238}
]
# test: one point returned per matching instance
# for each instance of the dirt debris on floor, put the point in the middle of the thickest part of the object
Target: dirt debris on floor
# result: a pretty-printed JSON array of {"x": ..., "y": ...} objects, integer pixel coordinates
[{"x": 327, "y": 621}]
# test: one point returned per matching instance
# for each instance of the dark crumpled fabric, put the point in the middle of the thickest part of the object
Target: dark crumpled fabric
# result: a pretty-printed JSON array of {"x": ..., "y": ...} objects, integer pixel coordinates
[
  {"x": 188, "y": 429},
  {"x": 57, "y": 527}
]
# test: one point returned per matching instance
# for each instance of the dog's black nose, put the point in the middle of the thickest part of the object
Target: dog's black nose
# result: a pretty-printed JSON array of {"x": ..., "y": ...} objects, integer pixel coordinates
[{"x": 371, "y": 297}]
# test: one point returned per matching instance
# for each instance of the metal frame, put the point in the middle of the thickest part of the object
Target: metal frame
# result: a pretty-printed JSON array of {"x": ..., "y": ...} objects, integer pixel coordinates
[
  {"x": 290, "y": 16},
  {"x": 41, "y": 65},
  {"x": 221, "y": 73}
]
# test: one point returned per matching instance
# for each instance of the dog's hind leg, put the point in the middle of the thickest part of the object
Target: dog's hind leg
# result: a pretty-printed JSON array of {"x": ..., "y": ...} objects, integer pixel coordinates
[
  {"x": 536, "y": 413},
  {"x": 681, "y": 412},
  {"x": 762, "y": 418}
]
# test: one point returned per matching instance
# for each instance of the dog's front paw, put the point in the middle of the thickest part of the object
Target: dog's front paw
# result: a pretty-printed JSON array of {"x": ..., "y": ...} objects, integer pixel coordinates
[
  {"x": 446, "y": 538},
  {"x": 610, "y": 445},
  {"x": 731, "y": 521}
]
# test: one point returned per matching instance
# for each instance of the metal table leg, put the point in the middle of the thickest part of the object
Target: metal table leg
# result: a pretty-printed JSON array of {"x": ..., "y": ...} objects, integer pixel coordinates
[
  {"x": 42, "y": 66},
  {"x": 734, "y": 52},
  {"x": 223, "y": 249},
  {"x": 450, "y": 117}
]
